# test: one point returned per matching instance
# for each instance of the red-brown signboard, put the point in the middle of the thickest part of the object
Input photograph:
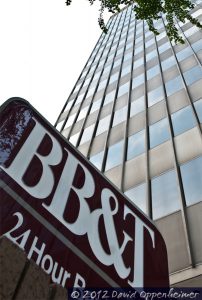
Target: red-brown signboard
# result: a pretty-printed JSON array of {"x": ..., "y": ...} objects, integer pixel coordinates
[{"x": 66, "y": 215}]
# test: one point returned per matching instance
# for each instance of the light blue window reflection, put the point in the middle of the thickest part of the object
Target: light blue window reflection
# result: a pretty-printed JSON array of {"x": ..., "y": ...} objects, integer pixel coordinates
[
  {"x": 120, "y": 116},
  {"x": 82, "y": 113},
  {"x": 192, "y": 75},
  {"x": 197, "y": 46},
  {"x": 117, "y": 63},
  {"x": 114, "y": 77},
  {"x": 174, "y": 85},
  {"x": 159, "y": 133},
  {"x": 102, "y": 84},
  {"x": 125, "y": 70},
  {"x": 138, "y": 196},
  {"x": 138, "y": 80},
  {"x": 79, "y": 99},
  {"x": 137, "y": 63},
  {"x": 137, "y": 106},
  {"x": 97, "y": 159},
  {"x": 114, "y": 155},
  {"x": 151, "y": 55},
  {"x": 184, "y": 53},
  {"x": 123, "y": 89},
  {"x": 136, "y": 144},
  {"x": 109, "y": 97},
  {"x": 169, "y": 62},
  {"x": 165, "y": 198},
  {"x": 155, "y": 96},
  {"x": 153, "y": 72},
  {"x": 183, "y": 120},
  {"x": 192, "y": 180},
  {"x": 103, "y": 125},
  {"x": 95, "y": 106},
  {"x": 164, "y": 47},
  {"x": 87, "y": 134},
  {"x": 198, "y": 107}
]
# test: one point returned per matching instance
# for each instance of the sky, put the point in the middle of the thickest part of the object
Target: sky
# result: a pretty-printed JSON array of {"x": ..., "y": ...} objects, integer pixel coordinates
[{"x": 44, "y": 47}]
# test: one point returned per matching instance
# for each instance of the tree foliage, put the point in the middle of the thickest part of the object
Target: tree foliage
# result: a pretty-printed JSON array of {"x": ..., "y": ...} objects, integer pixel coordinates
[{"x": 150, "y": 10}]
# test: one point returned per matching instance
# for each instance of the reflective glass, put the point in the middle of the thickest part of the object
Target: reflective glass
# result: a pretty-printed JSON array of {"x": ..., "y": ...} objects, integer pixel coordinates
[
  {"x": 138, "y": 80},
  {"x": 165, "y": 198},
  {"x": 138, "y": 196},
  {"x": 153, "y": 72},
  {"x": 137, "y": 106},
  {"x": 158, "y": 133},
  {"x": 70, "y": 120},
  {"x": 138, "y": 62},
  {"x": 120, "y": 116},
  {"x": 82, "y": 113},
  {"x": 103, "y": 125},
  {"x": 114, "y": 155},
  {"x": 151, "y": 55},
  {"x": 192, "y": 180},
  {"x": 123, "y": 89},
  {"x": 183, "y": 120},
  {"x": 193, "y": 75},
  {"x": 155, "y": 96},
  {"x": 164, "y": 47},
  {"x": 197, "y": 46},
  {"x": 97, "y": 159},
  {"x": 95, "y": 106},
  {"x": 184, "y": 53},
  {"x": 109, "y": 97},
  {"x": 126, "y": 70},
  {"x": 169, "y": 62},
  {"x": 73, "y": 139},
  {"x": 87, "y": 134},
  {"x": 198, "y": 107},
  {"x": 174, "y": 85},
  {"x": 136, "y": 144},
  {"x": 114, "y": 77}
]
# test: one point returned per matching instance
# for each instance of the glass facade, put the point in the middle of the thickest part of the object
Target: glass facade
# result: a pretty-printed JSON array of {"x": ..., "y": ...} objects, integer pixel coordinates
[{"x": 137, "y": 109}]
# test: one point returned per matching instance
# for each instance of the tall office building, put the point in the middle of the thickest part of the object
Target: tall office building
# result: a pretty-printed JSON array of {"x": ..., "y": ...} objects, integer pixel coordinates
[{"x": 136, "y": 113}]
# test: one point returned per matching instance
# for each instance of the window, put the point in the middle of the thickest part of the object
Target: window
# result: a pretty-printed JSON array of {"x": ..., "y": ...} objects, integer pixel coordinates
[
  {"x": 155, "y": 96},
  {"x": 87, "y": 134},
  {"x": 70, "y": 120},
  {"x": 158, "y": 133},
  {"x": 184, "y": 53},
  {"x": 109, "y": 97},
  {"x": 97, "y": 159},
  {"x": 136, "y": 144},
  {"x": 183, "y": 120},
  {"x": 192, "y": 180},
  {"x": 123, "y": 89},
  {"x": 103, "y": 125},
  {"x": 164, "y": 47},
  {"x": 198, "y": 107},
  {"x": 138, "y": 196},
  {"x": 73, "y": 139},
  {"x": 95, "y": 106},
  {"x": 138, "y": 80},
  {"x": 126, "y": 70},
  {"x": 197, "y": 46},
  {"x": 193, "y": 75},
  {"x": 114, "y": 77},
  {"x": 169, "y": 62},
  {"x": 174, "y": 85},
  {"x": 114, "y": 155},
  {"x": 82, "y": 113},
  {"x": 102, "y": 84},
  {"x": 79, "y": 99},
  {"x": 137, "y": 106},
  {"x": 153, "y": 72},
  {"x": 137, "y": 63},
  {"x": 165, "y": 198},
  {"x": 120, "y": 116},
  {"x": 151, "y": 55}
]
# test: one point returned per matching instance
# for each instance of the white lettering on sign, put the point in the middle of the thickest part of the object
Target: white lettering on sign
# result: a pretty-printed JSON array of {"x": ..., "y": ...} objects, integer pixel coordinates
[
  {"x": 87, "y": 222},
  {"x": 58, "y": 274}
]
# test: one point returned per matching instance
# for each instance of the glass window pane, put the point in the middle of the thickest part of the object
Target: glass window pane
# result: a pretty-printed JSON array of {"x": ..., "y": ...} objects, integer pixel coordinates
[
  {"x": 87, "y": 134},
  {"x": 174, "y": 85},
  {"x": 123, "y": 89},
  {"x": 169, "y": 62},
  {"x": 183, "y": 120},
  {"x": 192, "y": 180},
  {"x": 137, "y": 106},
  {"x": 73, "y": 139},
  {"x": 120, "y": 116},
  {"x": 103, "y": 125},
  {"x": 184, "y": 53},
  {"x": 152, "y": 72},
  {"x": 114, "y": 155},
  {"x": 138, "y": 80},
  {"x": 158, "y": 133},
  {"x": 165, "y": 198},
  {"x": 109, "y": 97},
  {"x": 138, "y": 196},
  {"x": 95, "y": 106},
  {"x": 82, "y": 113},
  {"x": 155, "y": 96},
  {"x": 193, "y": 75},
  {"x": 136, "y": 144},
  {"x": 97, "y": 159},
  {"x": 198, "y": 107}
]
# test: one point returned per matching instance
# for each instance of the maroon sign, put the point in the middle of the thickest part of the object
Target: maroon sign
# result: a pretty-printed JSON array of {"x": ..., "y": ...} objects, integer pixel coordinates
[{"x": 66, "y": 215}]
